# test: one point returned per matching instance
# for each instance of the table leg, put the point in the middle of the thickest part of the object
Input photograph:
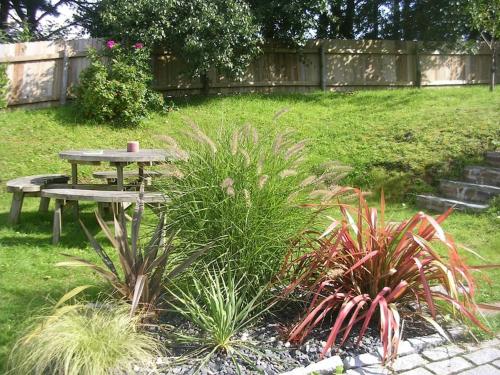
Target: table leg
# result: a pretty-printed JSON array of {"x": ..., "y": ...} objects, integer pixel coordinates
[
  {"x": 74, "y": 181},
  {"x": 74, "y": 173},
  {"x": 119, "y": 176},
  {"x": 141, "y": 173}
]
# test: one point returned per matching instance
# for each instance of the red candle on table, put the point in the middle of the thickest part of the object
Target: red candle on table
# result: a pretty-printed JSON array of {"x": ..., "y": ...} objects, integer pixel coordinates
[{"x": 132, "y": 146}]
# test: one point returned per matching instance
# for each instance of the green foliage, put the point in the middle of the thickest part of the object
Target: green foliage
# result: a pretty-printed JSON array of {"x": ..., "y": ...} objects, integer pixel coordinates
[
  {"x": 243, "y": 194},
  {"x": 205, "y": 34},
  {"x": 221, "y": 305},
  {"x": 288, "y": 22},
  {"x": 83, "y": 339},
  {"x": 143, "y": 268},
  {"x": 4, "y": 86},
  {"x": 485, "y": 16},
  {"x": 115, "y": 87}
]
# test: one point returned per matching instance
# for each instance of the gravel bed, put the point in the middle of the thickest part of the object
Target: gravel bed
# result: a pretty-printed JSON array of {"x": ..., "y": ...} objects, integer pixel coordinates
[{"x": 270, "y": 354}]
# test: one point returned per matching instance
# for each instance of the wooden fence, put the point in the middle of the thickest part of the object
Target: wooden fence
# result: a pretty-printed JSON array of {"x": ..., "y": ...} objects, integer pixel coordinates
[{"x": 46, "y": 72}]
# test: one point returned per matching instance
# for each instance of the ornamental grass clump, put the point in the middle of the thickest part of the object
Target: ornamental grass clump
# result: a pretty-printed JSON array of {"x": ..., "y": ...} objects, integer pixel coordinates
[
  {"x": 221, "y": 306},
  {"x": 368, "y": 271},
  {"x": 245, "y": 194},
  {"x": 84, "y": 339}
]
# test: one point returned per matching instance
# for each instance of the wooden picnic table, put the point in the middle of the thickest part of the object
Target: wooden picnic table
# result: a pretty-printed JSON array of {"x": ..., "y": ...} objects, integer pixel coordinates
[{"x": 117, "y": 158}]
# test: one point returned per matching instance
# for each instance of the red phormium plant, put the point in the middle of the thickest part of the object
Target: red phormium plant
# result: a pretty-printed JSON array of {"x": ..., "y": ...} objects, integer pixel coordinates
[{"x": 367, "y": 270}]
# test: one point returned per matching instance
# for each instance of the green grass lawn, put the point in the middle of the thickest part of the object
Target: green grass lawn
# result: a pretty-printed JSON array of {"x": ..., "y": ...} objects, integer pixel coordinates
[{"x": 399, "y": 139}]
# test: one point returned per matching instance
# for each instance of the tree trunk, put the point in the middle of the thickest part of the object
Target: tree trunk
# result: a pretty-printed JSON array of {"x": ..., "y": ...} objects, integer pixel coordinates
[
  {"x": 347, "y": 25},
  {"x": 493, "y": 64},
  {"x": 407, "y": 21},
  {"x": 373, "y": 20},
  {"x": 396, "y": 20},
  {"x": 205, "y": 82},
  {"x": 4, "y": 13},
  {"x": 323, "y": 26}
]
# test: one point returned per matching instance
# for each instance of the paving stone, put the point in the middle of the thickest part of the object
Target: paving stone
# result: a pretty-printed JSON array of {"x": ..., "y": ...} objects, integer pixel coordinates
[
  {"x": 417, "y": 371},
  {"x": 420, "y": 343},
  {"x": 408, "y": 362},
  {"x": 325, "y": 366},
  {"x": 365, "y": 359},
  {"x": 497, "y": 363},
  {"x": 449, "y": 366},
  {"x": 482, "y": 370},
  {"x": 483, "y": 356},
  {"x": 404, "y": 348},
  {"x": 442, "y": 352},
  {"x": 370, "y": 370},
  {"x": 490, "y": 343}
]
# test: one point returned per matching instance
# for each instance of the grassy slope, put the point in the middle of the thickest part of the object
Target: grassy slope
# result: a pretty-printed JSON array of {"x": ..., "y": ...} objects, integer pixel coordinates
[{"x": 412, "y": 131}]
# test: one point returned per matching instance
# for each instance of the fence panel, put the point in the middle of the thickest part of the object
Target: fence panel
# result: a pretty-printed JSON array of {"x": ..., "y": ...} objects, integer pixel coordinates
[{"x": 44, "y": 73}]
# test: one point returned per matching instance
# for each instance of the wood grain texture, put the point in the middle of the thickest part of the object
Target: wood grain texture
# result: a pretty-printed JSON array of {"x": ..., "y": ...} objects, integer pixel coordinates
[{"x": 102, "y": 196}]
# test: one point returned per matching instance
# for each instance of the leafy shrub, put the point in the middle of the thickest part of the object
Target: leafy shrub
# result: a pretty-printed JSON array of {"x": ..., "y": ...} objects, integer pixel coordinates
[
  {"x": 143, "y": 268},
  {"x": 221, "y": 306},
  {"x": 365, "y": 270},
  {"x": 84, "y": 340},
  {"x": 245, "y": 195},
  {"x": 115, "y": 87},
  {"x": 4, "y": 86}
]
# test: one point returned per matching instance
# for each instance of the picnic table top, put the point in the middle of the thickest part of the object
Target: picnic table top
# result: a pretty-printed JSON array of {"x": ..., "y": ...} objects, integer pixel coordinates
[{"x": 117, "y": 156}]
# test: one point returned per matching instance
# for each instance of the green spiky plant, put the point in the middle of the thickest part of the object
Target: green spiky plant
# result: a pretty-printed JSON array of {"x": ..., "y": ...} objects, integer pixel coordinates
[
  {"x": 83, "y": 339},
  {"x": 144, "y": 268},
  {"x": 245, "y": 194},
  {"x": 221, "y": 305},
  {"x": 368, "y": 271}
]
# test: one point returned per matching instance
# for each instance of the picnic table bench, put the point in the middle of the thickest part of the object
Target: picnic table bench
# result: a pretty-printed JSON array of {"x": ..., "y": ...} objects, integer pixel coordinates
[
  {"x": 30, "y": 186},
  {"x": 61, "y": 195}
]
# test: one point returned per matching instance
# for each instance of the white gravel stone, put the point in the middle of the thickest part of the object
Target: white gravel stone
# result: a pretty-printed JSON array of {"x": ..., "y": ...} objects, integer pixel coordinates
[
  {"x": 442, "y": 352},
  {"x": 483, "y": 356},
  {"x": 365, "y": 359},
  {"x": 408, "y": 362},
  {"x": 482, "y": 370},
  {"x": 404, "y": 348},
  {"x": 449, "y": 366},
  {"x": 325, "y": 366}
]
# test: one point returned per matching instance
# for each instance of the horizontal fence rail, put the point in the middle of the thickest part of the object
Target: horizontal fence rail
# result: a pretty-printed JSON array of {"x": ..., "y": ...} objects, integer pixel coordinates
[{"x": 45, "y": 73}]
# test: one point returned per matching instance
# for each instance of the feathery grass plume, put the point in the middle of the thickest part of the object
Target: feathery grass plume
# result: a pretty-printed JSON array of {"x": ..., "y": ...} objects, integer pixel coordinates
[
  {"x": 84, "y": 339},
  {"x": 308, "y": 181},
  {"x": 262, "y": 180},
  {"x": 256, "y": 235},
  {"x": 280, "y": 113},
  {"x": 295, "y": 149},
  {"x": 247, "y": 197},
  {"x": 234, "y": 142},
  {"x": 281, "y": 141},
  {"x": 287, "y": 173},
  {"x": 199, "y": 135},
  {"x": 246, "y": 156},
  {"x": 366, "y": 271}
]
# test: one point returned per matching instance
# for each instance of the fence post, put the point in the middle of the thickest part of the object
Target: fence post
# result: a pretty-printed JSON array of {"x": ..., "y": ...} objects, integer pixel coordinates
[
  {"x": 64, "y": 79},
  {"x": 322, "y": 66},
  {"x": 418, "y": 70}
]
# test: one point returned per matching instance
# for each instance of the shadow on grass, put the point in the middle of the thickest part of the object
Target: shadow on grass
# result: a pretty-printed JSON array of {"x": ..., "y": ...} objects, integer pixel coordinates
[
  {"x": 356, "y": 98},
  {"x": 35, "y": 229}
]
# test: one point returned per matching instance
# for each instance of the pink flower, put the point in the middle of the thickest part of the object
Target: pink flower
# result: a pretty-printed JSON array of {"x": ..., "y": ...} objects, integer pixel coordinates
[
  {"x": 138, "y": 45},
  {"x": 110, "y": 44}
]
